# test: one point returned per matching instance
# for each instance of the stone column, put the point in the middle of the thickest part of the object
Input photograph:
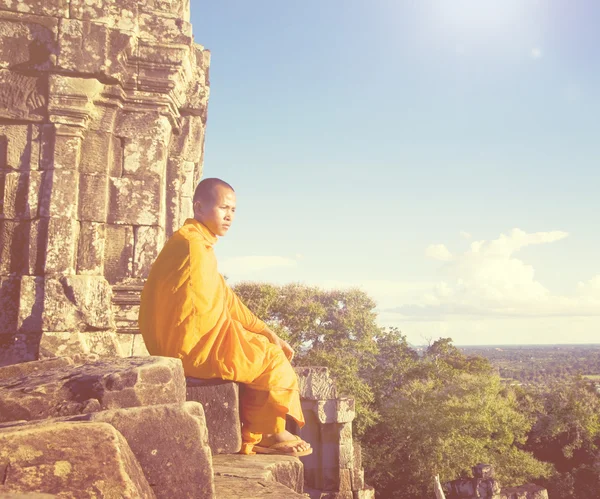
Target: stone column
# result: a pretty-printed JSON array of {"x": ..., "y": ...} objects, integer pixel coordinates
[
  {"x": 102, "y": 118},
  {"x": 334, "y": 469}
]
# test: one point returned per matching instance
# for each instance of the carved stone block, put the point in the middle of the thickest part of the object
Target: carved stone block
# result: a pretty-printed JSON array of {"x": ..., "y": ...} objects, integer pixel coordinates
[
  {"x": 220, "y": 400},
  {"x": 28, "y": 41},
  {"x": 55, "y": 8},
  {"x": 122, "y": 14},
  {"x": 64, "y": 456},
  {"x": 188, "y": 144},
  {"x": 22, "y": 246},
  {"x": 23, "y": 97},
  {"x": 315, "y": 383},
  {"x": 96, "y": 152},
  {"x": 148, "y": 243},
  {"x": 9, "y": 300},
  {"x": 100, "y": 343},
  {"x": 32, "y": 368},
  {"x": 135, "y": 201},
  {"x": 93, "y": 197},
  {"x": 67, "y": 303},
  {"x": 66, "y": 149},
  {"x": 91, "y": 248},
  {"x": 100, "y": 385},
  {"x": 60, "y": 250},
  {"x": 162, "y": 30},
  {"x": 59, "y": 193},
  {"x": 19, "y": 146},
  {"x": 146, "y": 145},
  {"x": 170, "y": 442},
  {"x": 21, "y": 194},
  {"x": 91, "y": 47},
  {"x": 118, "y": 256},
  {"x": 18, "y": 347}
]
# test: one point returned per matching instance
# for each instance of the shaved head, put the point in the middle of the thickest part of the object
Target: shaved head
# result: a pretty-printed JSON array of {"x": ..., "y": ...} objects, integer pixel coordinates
[
  {"x": 214, "y": 205},
  {"x": 205, "y": 190}
]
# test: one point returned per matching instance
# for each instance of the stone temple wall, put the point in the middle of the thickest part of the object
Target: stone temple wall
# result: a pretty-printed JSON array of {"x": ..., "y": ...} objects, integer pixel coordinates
[{"x": 102, "y": 119}]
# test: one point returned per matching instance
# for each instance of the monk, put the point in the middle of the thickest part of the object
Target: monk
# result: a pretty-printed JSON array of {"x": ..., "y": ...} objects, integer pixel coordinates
[{"x": 189, "y": 312}]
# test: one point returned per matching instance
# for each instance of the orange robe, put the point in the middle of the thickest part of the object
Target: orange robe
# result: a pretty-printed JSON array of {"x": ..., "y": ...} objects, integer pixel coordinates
[{"x": 189, "y": 312}]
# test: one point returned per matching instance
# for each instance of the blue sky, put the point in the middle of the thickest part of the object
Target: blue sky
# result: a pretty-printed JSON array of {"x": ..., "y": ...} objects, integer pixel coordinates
[{"x": 442, "y": 155}]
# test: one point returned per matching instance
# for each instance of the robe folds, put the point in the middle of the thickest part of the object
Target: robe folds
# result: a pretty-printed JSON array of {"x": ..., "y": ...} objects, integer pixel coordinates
[{"x": 189, "y": 312}]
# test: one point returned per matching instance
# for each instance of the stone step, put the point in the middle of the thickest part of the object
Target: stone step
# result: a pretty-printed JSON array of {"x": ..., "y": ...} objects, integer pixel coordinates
[
  {"x": 220, "y": 400},
  {"x": 238, "y": 476},
  {"x": 286, "y": 470},
  {"x": 227, "y": 487}
]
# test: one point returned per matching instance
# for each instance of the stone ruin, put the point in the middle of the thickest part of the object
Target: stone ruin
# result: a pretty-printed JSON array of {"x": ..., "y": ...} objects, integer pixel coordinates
[
  {"x": 483, "y": 485},
  {"x": 102, "y": 118},
  {"x": 103, "y": 108},
  {"x": 73, "y": 428}
]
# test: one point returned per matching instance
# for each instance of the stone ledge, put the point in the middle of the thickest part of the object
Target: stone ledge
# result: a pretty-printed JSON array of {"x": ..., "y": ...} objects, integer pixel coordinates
[
  {"x": 286, "y": 470},
  {"x": 228, "y": 487},
  {"x": 220, "y": 400}
]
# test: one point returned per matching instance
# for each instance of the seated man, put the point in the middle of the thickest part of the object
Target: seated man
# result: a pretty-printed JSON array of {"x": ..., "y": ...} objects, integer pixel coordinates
[{"x": 189, "y": 312}]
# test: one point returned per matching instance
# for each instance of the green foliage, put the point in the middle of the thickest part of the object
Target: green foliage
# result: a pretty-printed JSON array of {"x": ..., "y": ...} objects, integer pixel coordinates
[
  {"x": 450, "y": 412},
  {"x": 443, "y": 411},
  {"x": 568, "y": 425},
  {"x": 335, "y": 328}
]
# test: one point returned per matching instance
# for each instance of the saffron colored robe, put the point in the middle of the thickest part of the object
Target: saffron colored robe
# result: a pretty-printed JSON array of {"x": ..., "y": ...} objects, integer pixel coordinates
[{"x": 189, "y": 312}]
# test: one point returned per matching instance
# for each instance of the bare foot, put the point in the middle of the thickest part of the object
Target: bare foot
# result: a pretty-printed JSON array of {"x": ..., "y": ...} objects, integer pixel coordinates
[{"x": 295, "y": 445}]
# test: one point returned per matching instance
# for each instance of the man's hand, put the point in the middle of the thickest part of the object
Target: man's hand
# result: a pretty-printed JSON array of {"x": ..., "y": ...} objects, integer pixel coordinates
[{"x": 276, "y": 340}]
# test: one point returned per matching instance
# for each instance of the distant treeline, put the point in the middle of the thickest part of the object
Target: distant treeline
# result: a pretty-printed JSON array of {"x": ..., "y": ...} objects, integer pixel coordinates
[{"x": 541, "y": 363}]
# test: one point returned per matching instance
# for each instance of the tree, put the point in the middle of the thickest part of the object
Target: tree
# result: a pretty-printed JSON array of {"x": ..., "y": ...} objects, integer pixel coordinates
[
  {"x": 332, "y": 328},
  {"x": 449, "y": 412}
]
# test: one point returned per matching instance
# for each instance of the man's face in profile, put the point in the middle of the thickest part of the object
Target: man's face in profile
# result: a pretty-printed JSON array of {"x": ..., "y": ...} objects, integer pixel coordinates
[{"x": 217, "y": 211}]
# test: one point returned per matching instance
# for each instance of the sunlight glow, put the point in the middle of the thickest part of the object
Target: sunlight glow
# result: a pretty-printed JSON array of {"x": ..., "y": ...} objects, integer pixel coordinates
[{"x": 480, "y": 19}]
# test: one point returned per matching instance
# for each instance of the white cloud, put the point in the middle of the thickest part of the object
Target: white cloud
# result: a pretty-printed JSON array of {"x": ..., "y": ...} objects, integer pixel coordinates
[
  {"x": 536, "y": 52},
  {"x": 438, "y": 252},
  {"x": 465, "y": 235},
  {"x": 488, "y": 281},
  {"x": 250, "y": 264}
]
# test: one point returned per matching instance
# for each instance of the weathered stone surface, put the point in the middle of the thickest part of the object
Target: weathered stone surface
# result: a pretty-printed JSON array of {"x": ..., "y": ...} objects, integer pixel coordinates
[
  {"x": 9, "y": 300},
  {"x": 118, "y": 257},
  {"x": 31, "y": 368},
  {"x": 93, "y": 197},
  {"x": 171, "y": 444},
  {"x": 241, "y": 488},
  {"x": 21, "y": 194},
  {"x": 57, "y": 8},
  {"x": 69, "y": 303},
  {"x": 189, "y": 142},
  {"x": 15, "y": 348},
  {"x": 19, "y": 144},
  {"x": 134, "y": 201},
  {"x": 107, "y": 384},
  {"x": 148, "y": 241},
  {"x": 100, "y": 343},
  {"x": 115, "y": 14},
  {"x": 91, "y": 95},
  {"x": 528, "y": 491},
  {"x": 61, "y": 238},
  {"x": 22, "y": 97},
  {"x": 73, "y": 459},
  {"x": 90, "y": 248},
  {"x": 29, "y": 41},
  {"x": 315, "y": 383},
  {"x": 366, "y": 493},
  {"x": 220, "y": 400},
  {"x": 91, "y": 47},
  {"x": 285, "y": 470},
  {"x": 18, "y": 495},
  {"x": 59, "y": 193}
]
